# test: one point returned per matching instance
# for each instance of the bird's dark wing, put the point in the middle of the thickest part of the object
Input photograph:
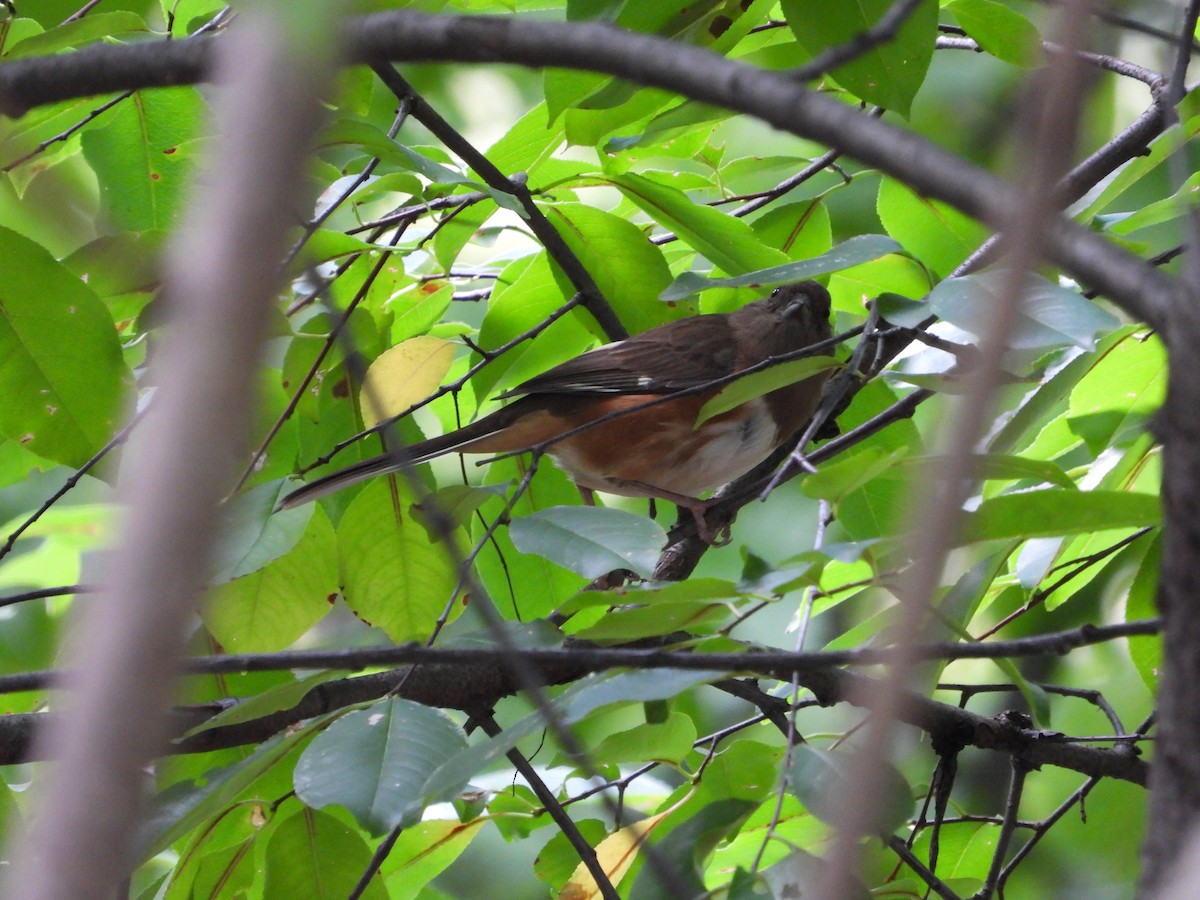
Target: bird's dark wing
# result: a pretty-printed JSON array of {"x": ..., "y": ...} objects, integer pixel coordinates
[{"x": 681, "y": 354}]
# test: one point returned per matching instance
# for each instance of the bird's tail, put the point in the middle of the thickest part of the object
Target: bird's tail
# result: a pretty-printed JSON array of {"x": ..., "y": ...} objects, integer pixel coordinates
[{"x": 470, "y": 437}]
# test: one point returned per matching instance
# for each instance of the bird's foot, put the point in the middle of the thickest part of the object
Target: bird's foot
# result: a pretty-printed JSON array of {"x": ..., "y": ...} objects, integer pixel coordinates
[{"x": 699, "y": 510}]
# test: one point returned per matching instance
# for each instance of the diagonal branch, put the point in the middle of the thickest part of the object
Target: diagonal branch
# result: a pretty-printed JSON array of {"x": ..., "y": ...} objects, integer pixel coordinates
[{"x": 694, "y": 72}]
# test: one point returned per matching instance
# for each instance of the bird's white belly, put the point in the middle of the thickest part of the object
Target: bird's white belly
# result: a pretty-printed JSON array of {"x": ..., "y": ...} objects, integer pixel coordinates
[{"x": 735, "y": 449}]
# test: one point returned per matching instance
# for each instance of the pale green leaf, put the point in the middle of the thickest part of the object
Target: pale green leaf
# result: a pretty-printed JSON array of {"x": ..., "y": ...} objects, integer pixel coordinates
[
  {"x": 61, "y": 371},
  {"x": 757, "y": 384},
  {"x": 591, "y": 540},
  {"x": 313, "y": 855},
  {"x": 1056, "y": 511},
  {"x": 393, "y": 574},
  {"x": 725, "y": 241},
  {"x": 851, "y": 252},
  {"x": 888, "y": 74},
  {"x": 1001, "y": 31}
]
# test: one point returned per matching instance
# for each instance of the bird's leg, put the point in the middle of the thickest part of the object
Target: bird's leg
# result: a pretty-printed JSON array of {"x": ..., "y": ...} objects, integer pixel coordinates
[
  {"x": 697, "y": 507},
  {"x": 699, "y": 510}
]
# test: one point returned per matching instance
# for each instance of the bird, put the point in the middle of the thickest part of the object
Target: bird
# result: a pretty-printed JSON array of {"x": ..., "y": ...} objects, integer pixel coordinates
[{"x": 645, "y": 442}]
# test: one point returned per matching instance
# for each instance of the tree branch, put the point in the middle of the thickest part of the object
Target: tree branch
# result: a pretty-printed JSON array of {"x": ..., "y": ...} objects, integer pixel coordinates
[
  {"x": 472, "y": 678},
  {"x": 690, "y": 71}
]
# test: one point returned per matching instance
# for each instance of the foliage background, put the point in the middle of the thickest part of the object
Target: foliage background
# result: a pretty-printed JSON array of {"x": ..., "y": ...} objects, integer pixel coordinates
[{"x": 84, "y": 220}]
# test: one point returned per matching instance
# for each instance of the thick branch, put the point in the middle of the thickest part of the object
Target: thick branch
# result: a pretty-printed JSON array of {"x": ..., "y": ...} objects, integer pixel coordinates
[
  {"x": 691, "y": 71},
  {"x": 588, "y": 658},
  {"x": 473, "y": 679}
]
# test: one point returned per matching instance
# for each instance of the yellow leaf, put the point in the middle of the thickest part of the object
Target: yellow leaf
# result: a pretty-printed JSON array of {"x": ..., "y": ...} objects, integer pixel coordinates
[
  {"x": 403, "y": 376},
  {"x": 615, "y": 854}
]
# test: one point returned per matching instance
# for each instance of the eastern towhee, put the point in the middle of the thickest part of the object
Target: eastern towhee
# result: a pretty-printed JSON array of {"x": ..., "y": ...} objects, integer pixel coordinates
[{"x": 657, "y": 451}]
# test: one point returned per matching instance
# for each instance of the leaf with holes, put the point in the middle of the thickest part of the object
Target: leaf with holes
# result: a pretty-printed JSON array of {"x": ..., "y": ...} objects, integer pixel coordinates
[
  {"x": 142, "y": 152},
  {"x": 61, "y": 369}
]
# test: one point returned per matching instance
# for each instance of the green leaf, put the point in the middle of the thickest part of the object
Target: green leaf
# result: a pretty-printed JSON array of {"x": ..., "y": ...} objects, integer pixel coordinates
[
  {"x": 727, "y": 242},
  {"x": 1119, "y": 392},
  {"x": 888, "y": 75},
  {"x": 393, "y": 576},
  {"x": 372, "y": 140},
  {"x": 1057, "y": 511},
  {"x": 821, "y": 780},
  {"x": 75, "y": 34},
  {"x": 273, "y": 607},
  {"x": 558, "y": 860},
  {"x": 757, "y": 384},
  {"x": 61, "y": 369},
  {"x": 186, "y": 805},
  {"x": 687, "y": 847},
  {"x": 587, "y": 694},
  {"x": 375, "y": 762},
  {"x": 525, "y": 294},
  {"x": 801, "y": 230},
  {"x": 648, "y": 621},
  {"x": 893, "y": 274},
  {"x": 529, "y": 144},
  {"x": 272, "y": 700},
  {"x": 424, "y": 850},
  {"x": 324, "y": 245},
  {"x": 253, "y": 535},
  {"x": 599, "y": 100},
  {"x": 141, "y": 153},
  {"x": 37, "y": 127},
  {"x": 635, "y": 686},
  {"x": 1003, "y": 467},
  {"x": 850, "y": 252},
  {"x": 190, "y": 14},
  {"x": 1106, "y": 567},
  {"x": 964, "y": 848},
  {"x": 59, "y": 539},
  {"x": 693, "y": 590},
  {"x": 230, "y": 869},
  {"x": 1050, "y": 316},
  {"x": 936, "y": 234},
  {"x": 1039, "y": 405},
  {"x": 836, "y": 479},
  {"x": 876, "y": 509},
  {"x": 667, "y": 742},
  {"x": 523, "y": 586},
  {"x": 1135, "y": 171},
  {"x": 119, "y": 263},
  {"x": 668, "y": 130},
  {"x": 19, "y": 28},
  {"x": 591, "y": 540},
  {"x": 1002, "y": 32},
  {"x": 455, "y": 233},
  {"x": 959, "y": 603},
  {"x": 597, "y": 238},
  {"x": 313, "y": 855},
  {"x": 457, "y": 502},
  {"x": 1146, "y": 652}
]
